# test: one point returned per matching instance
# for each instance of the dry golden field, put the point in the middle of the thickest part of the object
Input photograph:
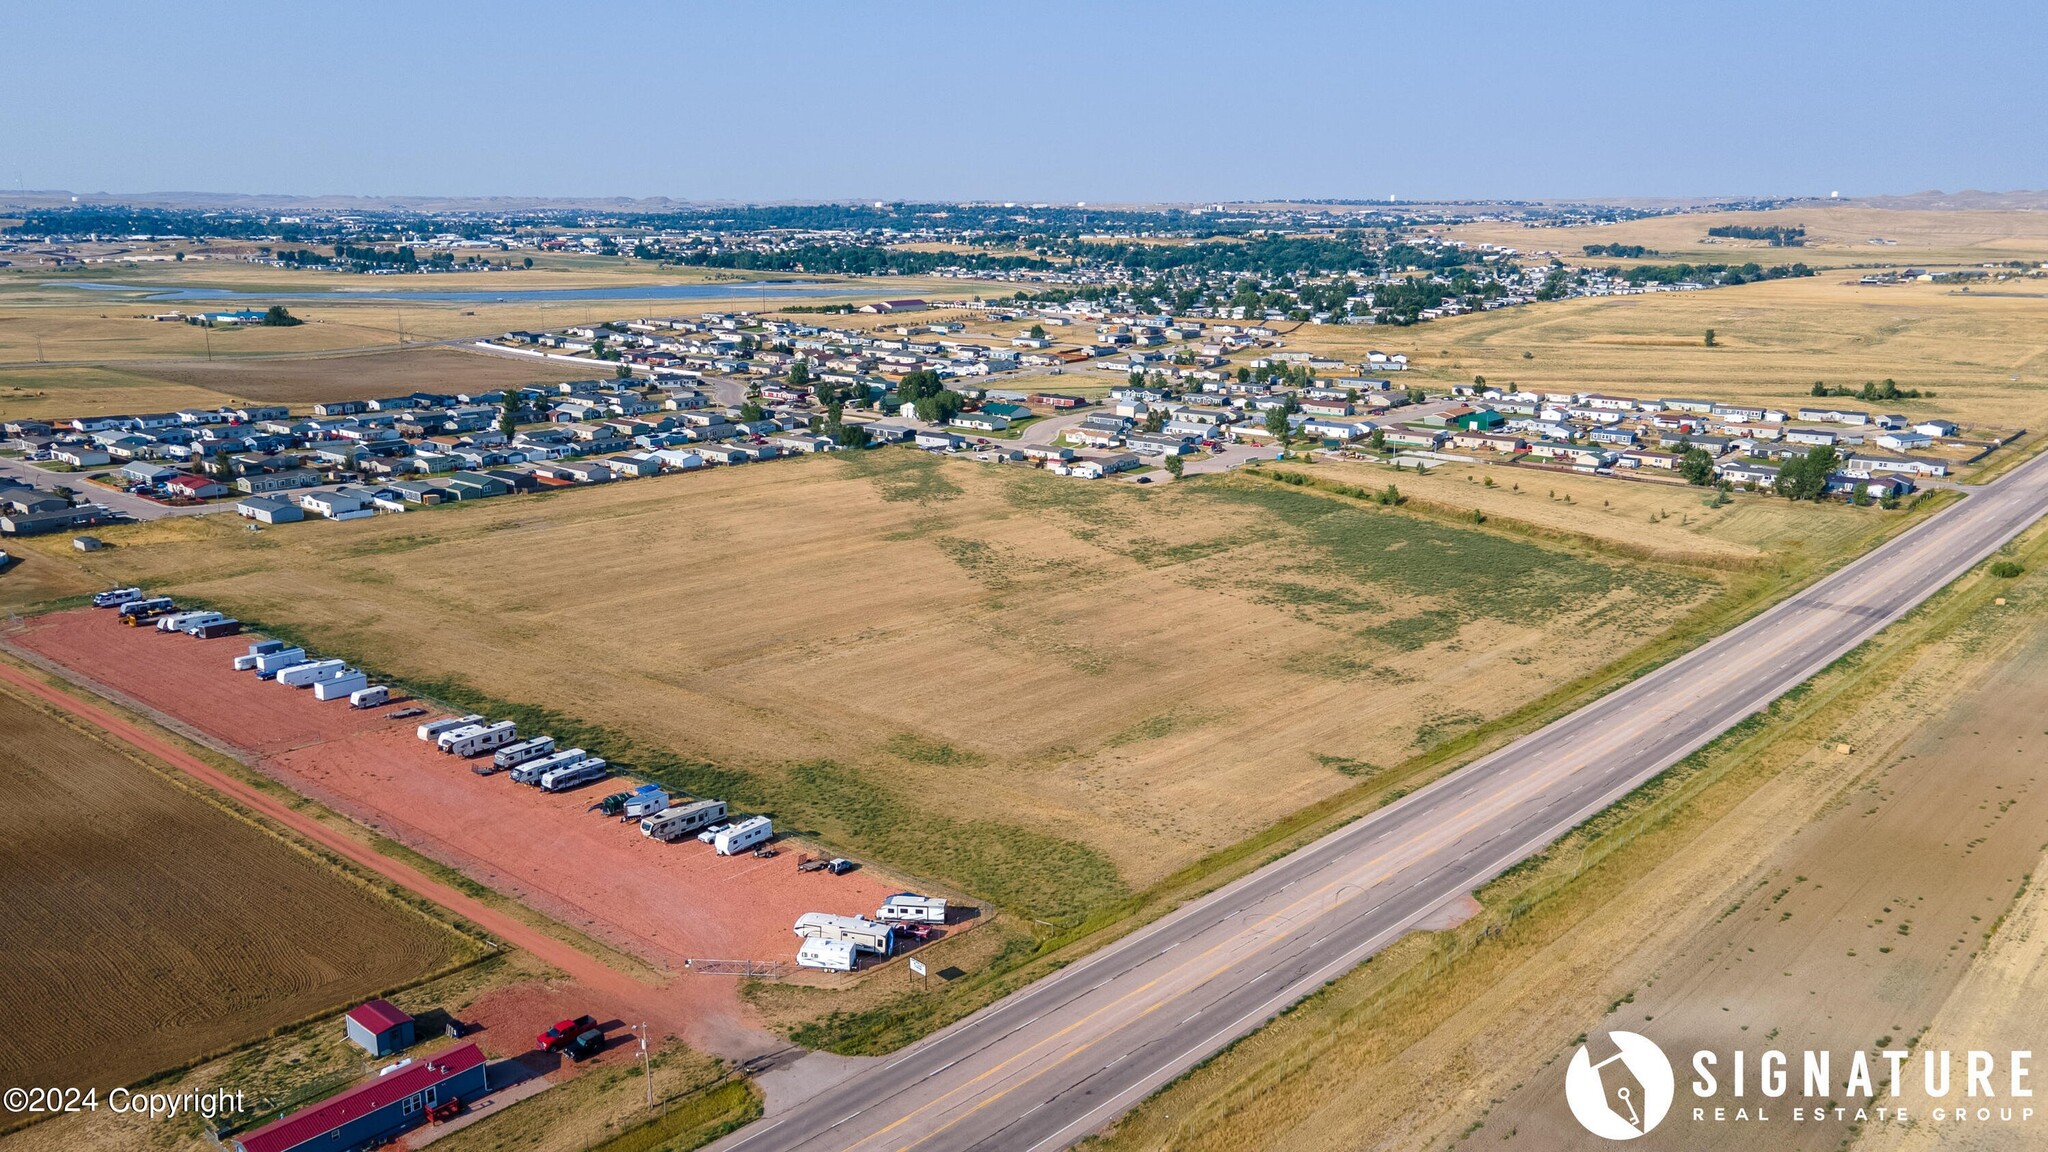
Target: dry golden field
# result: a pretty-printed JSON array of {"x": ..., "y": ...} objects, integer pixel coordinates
[
  {"x": 1985, "y": 356},
  {"x": 1041, "y": 690},
  {"x": 1843, "y": 883},
  {"x": 145, "y": 926},
  {"x": 1836, "y": 235}
]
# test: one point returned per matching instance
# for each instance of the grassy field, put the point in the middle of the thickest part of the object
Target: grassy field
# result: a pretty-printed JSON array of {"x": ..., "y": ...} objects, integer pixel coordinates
[
  {"x": 145, "y": 926},
  {"x": 1837, "y": 235},
  {"x": 1040, "y": 691},
  {"x": 1985, "y": 356},
  {"x": 1835, "y": 874}
]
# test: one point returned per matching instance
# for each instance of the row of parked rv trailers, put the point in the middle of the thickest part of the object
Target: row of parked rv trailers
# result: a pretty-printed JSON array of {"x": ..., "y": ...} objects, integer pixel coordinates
[
  {"x": 269, "y": 659},
  {"x": 538, "y": 762}
]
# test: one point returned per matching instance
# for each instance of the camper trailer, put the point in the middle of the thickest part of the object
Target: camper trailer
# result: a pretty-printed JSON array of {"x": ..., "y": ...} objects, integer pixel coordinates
[
  {"x": 574, "y": 775},
  {"x": 433, "y": 728},
  {"x": 910, "y": 908},
  {"x": 743, "y": 835},
  {"x": 269, "y": 664},
  {"x": 531, "y": 771},
  {"x": 369, "y": 697},
  {"x": 512, "y": 756},
  {"x": 673, "y": 824},
  {"x": 478, "y": 739},
  {"x": 863, "y": 933},
  {"x": 311, "y": 673},
  {"x": 115, "y": 597},
  {"x": 826, "y": 955},
  {"x": 645, "y": 801}
]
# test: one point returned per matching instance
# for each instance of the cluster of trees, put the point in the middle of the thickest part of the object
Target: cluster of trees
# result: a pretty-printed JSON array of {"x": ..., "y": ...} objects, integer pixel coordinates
[
  {"x": 844, "y": 260},
  {"x": 935, "y": 402},
  {"x": 1718, "y": 274},
  {"x": 1887, "y": 389},
  {"x": 1805, "y": 477},
  {"x": 1624, "y": 251},
  {"x": 277, "y": 317},
  {"x": 361, "y": 258},
  {"x": 1780, "y": 235}
]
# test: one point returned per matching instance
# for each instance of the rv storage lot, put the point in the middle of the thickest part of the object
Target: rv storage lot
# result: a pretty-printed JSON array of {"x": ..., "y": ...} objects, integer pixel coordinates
[
  {"x": 664, "y": 902},
  {"x": 142, "y": 925}
]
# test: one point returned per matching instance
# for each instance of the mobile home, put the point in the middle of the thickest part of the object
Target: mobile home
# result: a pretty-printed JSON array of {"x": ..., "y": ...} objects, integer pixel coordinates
[
  {"x": 676, "y": 823},
  {"x": 743, "y": 835}
]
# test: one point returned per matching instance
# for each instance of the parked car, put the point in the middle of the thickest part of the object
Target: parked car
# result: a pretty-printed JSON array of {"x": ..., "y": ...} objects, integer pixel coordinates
[
  {"x": 840, "y": 866},
  {"x": 565, "y": 1033},
  {"x": 587, "y": 1043}
]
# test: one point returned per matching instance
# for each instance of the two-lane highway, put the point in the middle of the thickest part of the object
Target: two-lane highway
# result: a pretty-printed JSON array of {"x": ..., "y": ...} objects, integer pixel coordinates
[{"x": 1062, "y": 1058}]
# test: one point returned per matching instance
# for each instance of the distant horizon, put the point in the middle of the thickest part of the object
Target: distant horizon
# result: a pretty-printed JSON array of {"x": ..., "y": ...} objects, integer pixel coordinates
[{"x": 1139, "y": 103}]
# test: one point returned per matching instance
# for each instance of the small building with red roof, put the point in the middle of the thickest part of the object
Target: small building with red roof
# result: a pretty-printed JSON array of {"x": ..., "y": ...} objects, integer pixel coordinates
[
  {"x": 379, "y": 1028},
  {"x": 396, "y": 1101}
]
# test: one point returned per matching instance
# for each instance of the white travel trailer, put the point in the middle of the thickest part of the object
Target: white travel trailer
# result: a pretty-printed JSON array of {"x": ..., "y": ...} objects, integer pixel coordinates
[
  {"x": 863, "y": 933},
  {"x": 369, "y": 697},
  {"x": 476, "y": 741},
  {"x": 309, "y": 674},
  {"x": 743, "y": 835},
  {"x": 645, "y": 802},
  {"x": 581, "y": 772},
  {"x": 341, "y": 687},
  {"x": 826, "y": 955},
  {"x": 514, "y": 755},
  {"x": 434, "y": 728},
  {"x": 910, "y": 908},
  {"x": 114, "y": 597},
  {"x": 269, "y": 664},
  {"x": 675, "y": 823},
  {"x": 531, "y": 771}
]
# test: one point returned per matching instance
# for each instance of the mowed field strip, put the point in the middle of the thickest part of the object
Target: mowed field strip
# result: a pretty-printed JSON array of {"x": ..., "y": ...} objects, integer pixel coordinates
[
  {"x": 1043, "y": 692},
  {"x": 143, "y": 925}
]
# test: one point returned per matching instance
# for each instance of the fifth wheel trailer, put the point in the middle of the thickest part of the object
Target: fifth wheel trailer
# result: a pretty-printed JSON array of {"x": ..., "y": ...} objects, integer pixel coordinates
[
  {"x": 341, "y": 687},
  {"x": 743, "y": 835},
  {"x": 864, "y": 934},
  {"x": 676, "y": 823}
]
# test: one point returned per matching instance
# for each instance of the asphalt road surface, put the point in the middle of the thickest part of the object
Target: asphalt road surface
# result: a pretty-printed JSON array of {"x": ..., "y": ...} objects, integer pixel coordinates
[{"x": 1064, "y": 1057}]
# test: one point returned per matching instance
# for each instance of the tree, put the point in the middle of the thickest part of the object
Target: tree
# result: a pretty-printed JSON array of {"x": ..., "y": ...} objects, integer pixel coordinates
[
  {"x": 1038, "y": 331},
  {"x": 277, "y": 317},
  {"x": 1378, "y": 440},
  {"x": 940, "y": 407},
  {"x": 527, "y": 262},
  {"x": 220, "y": 469},
  {"x": 1155, "y": 420},
  {"x": 1276, "y": 423},
  {"x": 1175, "y": 466},
  {"x": 800, "y": 374},
  {"x": 508, "y": 413},
  {"x": 852, "y": 436},
  {"x": 751, "y": 411},
  {"x": 1697, "y": 466},
  {"x": 622, "y": 373},
  {"x": 1806, "y": 477},
  {"x": 1710, "y": 338}
]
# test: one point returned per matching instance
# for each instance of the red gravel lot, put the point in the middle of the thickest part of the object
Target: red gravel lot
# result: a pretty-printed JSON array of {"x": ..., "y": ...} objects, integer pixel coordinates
[{"x": 662, "y": 902}]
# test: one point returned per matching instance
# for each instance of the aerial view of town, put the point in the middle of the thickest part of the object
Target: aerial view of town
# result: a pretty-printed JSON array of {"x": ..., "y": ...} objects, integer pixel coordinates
[{"x": 806, "y": 591}]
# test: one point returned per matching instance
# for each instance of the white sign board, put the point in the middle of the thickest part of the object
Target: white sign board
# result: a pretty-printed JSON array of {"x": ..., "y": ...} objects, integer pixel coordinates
[{"x": 917, "y": 967}]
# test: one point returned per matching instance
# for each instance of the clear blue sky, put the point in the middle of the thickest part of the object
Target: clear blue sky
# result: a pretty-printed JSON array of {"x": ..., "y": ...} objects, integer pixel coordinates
[{"x": 780, "y": 100}]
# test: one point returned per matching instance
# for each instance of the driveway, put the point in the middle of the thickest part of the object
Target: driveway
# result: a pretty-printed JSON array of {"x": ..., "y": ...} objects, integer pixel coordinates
[{"x": 112, "y": 499}]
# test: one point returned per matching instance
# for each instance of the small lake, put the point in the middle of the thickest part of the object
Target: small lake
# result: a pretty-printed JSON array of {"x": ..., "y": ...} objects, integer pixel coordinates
[{"x": 733, "y": 290}]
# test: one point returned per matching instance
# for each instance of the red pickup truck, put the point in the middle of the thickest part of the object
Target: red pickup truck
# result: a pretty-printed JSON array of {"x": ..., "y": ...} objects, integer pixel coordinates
[{"x": 563, "y": 1033}]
